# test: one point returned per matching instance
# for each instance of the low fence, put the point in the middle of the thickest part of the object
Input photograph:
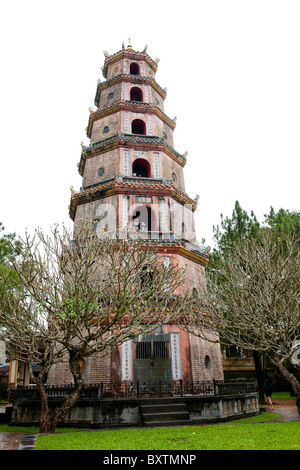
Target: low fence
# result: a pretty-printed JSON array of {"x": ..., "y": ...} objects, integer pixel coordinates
[
  {"x": 141, "y": 389},
  {"x": 111, "y": 404}
]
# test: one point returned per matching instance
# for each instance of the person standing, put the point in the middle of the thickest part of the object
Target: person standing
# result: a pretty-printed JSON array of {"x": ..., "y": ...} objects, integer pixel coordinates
[{"x": 267, "y": 389}]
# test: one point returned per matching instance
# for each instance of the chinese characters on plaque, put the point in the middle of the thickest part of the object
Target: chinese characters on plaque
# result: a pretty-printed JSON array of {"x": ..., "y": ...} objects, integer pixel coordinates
[
  {"x": 175, "y": 353},
  {"x": 126, "y": 361}
]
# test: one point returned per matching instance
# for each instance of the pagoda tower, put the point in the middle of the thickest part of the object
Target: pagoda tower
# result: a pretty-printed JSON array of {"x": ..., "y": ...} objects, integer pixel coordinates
[{"x": 133, "y": 185}]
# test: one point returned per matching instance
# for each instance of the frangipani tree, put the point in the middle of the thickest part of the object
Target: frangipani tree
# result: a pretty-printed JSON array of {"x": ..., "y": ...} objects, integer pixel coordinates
[
  {"x": 82, "y": 295},
  {"x": 254, "y": 300}
]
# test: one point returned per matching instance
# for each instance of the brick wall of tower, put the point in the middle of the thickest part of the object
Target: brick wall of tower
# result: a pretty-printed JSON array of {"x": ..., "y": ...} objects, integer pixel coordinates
[
  {"x": 206, "y": 358},
  {"x": 110, "y": 95},
  {"x": 194, "y": 274},
  {"x": 106, "y": 127},
  {"x": 60, "y": 374},
  {"x": 105, "y": 209},
  {"x": 115, "y": 68},
  {"x": 97, "y": 368},
  {"x": 109, "y": 161}
]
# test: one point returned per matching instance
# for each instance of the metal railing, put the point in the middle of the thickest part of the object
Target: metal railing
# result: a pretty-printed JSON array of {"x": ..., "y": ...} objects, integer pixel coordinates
[{"x": 139, "y": 389}]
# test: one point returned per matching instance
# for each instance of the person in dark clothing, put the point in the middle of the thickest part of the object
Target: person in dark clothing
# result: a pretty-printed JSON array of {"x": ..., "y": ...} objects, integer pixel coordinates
[{"x": 267, "y": 389}]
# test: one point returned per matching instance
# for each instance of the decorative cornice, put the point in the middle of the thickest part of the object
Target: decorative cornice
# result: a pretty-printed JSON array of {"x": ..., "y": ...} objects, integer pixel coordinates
[
  {"x": 135, "y": 106},
  {"x": 130, "y": 78},
  {"x": 197, "y": 257},
  {"x": 129, "y": 185},
  {"x": 178, "y": 246},
  {"x": 121, "y": 140}
]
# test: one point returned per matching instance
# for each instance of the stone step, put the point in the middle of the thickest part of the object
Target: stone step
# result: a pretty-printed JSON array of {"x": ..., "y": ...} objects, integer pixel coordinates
[{"x": 167, "y": 411}]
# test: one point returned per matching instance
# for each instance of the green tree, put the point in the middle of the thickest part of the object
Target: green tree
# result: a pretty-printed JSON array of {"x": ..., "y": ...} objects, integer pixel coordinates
[
  {"x": 9, "y": 247},
  {"x": 255, "y": 301},
  {"x": 283, "y": 222},
  {"x": 242, "y": 227}
]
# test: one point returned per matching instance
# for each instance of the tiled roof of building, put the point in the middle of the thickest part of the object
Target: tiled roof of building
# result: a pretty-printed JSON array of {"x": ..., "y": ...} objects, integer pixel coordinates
[{"x": 123, "y": 184}]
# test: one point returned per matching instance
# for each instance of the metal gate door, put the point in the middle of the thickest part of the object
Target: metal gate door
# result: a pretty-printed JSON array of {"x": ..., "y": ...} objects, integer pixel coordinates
[{"x": 152, "y": 361}]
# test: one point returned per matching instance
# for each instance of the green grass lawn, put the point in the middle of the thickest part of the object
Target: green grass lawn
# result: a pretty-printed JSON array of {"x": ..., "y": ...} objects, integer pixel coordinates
[
  {"x": 248, "y": 434},
  {"x": 282, "y": 395}
]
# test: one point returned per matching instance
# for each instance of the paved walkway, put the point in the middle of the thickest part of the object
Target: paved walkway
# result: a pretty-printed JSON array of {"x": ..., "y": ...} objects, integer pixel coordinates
[
  {"x": 288, "y": 410},
  {"x": 12, "y": 440}
]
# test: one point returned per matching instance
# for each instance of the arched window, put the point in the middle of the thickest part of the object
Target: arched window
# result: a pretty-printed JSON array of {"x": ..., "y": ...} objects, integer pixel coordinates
[
  {"x": 141, "y": 168},
  {"x": 136, "y": 94},
  {"x": 141, "y": 219},
  {"x": 134, "y": 68},
  {"x": 138, "y": 127}
]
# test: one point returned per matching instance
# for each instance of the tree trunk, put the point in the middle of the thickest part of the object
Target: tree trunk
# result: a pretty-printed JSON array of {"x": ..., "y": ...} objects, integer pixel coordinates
[
  {"x": 259, "y": 375},
  {"x": 290, "y": 377},
  {"x": 49, "y": 421},
  {"x": 60, "y": 413},
  {"x": 44, "y": 414}
]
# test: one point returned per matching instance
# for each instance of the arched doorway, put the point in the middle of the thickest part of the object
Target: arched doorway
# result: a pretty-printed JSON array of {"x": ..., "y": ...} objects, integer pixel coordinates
[
  {"x": 134, "y": 68},
  {"x": 136, "y": 94},
  {"x": 141, "y": 168},
  {"x": 142, "y": 219},
  {"x": 138, "y": 127}
]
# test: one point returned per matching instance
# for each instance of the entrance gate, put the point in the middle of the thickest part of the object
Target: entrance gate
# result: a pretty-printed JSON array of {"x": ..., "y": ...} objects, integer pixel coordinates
[{"x": 152, "y": 359}]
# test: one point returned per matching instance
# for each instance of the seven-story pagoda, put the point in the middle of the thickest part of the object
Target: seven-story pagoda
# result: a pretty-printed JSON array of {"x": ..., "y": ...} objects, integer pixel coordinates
[{"x": 133, "y": 186}]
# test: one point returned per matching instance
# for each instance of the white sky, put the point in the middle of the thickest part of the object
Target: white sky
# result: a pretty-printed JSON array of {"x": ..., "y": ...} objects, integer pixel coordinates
[{"x": 232, "y": 71}]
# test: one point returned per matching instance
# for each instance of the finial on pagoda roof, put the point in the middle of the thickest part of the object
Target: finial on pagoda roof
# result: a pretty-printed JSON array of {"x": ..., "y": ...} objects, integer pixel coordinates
[
  {"x": 145, "y": 48},
  {"x": 129, "y": 44},
  {"x": 73, "y": 191}
]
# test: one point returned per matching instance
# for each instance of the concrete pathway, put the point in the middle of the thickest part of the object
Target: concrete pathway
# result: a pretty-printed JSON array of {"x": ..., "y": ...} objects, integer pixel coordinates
[
  {"x": 289, "y": 411},
  {"x": 10, "y": 440}
]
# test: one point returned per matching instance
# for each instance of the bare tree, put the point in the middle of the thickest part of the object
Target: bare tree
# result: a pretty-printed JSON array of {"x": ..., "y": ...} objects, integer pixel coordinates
[
  {"x": 81, "y": 295},
  {"x": 254, "y": 300}
]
